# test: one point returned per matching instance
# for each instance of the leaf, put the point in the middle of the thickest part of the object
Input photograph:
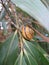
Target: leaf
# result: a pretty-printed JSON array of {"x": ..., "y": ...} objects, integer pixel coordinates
[
  {"x": 37, "y": 54},
  {"x": 20, "y": 60},
  {"x": 8, "y": 47},
  {"x": 30, "y": 59},
  {"x": 36, "y": 9},
  {"x": 32, "y": 54},
  {"x": 3, "y": 49},
  {"x": 46, "y": 3}
]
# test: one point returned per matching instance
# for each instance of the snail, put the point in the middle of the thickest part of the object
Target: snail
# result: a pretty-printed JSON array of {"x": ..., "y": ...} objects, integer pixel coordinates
[{"x": 27, "y": 32}]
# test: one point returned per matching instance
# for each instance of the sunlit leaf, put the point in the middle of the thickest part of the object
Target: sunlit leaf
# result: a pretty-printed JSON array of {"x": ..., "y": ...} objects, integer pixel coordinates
[{"x": 36, "y": 9}]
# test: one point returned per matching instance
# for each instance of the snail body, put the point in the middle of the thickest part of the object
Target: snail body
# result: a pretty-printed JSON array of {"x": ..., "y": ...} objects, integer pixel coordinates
[{"x": 27, "y": 32}]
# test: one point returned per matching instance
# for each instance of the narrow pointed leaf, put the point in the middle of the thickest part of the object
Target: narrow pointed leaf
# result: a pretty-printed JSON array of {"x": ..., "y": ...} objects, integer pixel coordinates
[
  {"x": 38, "y": 55},
  {"x": 36, "y": 9}
]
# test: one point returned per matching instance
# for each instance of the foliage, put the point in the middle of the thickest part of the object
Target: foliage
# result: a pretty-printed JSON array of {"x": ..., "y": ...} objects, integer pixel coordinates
[
  {"x": 32, "y": 54},
  {"x": 36, "y": 9},
  {"x": 16, "y": 50}
]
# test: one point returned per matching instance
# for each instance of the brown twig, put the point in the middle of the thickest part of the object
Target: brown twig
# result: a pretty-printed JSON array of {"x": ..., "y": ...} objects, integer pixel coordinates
[{"x": 41, "y": 35}]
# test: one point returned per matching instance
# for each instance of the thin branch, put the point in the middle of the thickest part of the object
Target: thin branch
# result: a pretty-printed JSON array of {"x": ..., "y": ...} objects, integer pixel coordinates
[
  {"x": 15, "y": 26},
  {"x": 44, "y": 37},
  {"x": 9, "y": 13},
  {"x": 41, "y": 35}
]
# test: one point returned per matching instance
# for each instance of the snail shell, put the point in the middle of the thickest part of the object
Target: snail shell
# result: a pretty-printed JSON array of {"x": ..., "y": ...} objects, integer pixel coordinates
[{"x": 27, "y": 32}]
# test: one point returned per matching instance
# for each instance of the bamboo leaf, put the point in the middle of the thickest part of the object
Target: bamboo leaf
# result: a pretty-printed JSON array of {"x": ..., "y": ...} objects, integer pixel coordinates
[
  {"x": 30, "y": 59},
  {"x": 8, "y": 47},
  {"x": 36, "y": 9},
  {"x": 32, "y": 54},
  {"x": 36, "y": 53}
]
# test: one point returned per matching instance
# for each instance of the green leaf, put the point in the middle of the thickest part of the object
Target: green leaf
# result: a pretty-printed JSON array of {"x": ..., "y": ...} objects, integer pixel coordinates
[
  {"x": 20, "y": 60},
  {"x": 36, "y": 9},
  {"x": 10, "y": 54},
  {"x": 36, "y": 53},
  {"x": 3, "y": 49},
  {"x": 9, "y": 47},
  {"x": 30, "y": 60}
]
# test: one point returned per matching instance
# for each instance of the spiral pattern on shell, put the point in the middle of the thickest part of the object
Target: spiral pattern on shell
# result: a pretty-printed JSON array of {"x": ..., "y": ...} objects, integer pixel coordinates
[{"x": 27, "y": 32}]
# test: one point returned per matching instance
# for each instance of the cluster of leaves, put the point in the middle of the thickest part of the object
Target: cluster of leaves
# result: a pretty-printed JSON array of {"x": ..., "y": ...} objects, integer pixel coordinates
[
  {"x": 32, "y": 53},
  {"x": 29, "y": 52}
]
